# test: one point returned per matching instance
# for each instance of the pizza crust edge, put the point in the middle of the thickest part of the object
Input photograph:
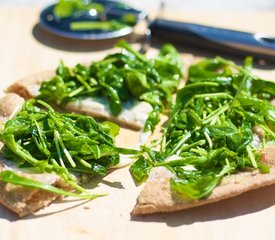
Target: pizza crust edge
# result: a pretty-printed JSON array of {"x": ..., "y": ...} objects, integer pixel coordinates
[{"x": 156, "y": 195}]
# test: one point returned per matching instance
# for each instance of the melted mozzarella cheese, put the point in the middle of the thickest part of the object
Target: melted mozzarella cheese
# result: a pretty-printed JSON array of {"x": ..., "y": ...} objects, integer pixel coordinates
[{"x": 133, "y": 112}]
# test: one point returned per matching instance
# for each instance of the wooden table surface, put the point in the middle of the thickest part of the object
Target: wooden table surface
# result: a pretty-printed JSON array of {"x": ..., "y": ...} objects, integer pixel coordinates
[{"x": 26, "y": 49}]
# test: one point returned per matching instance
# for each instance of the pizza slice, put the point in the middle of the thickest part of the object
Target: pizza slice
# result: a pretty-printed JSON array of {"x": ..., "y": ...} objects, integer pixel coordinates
[
  {"x": 22, "y": 200},
  {"x": 124, "y": 87},
  {"x": 45, "y": 153},
  {"x": 156, "y": 196},
  {"x": 218, "y": 142}
]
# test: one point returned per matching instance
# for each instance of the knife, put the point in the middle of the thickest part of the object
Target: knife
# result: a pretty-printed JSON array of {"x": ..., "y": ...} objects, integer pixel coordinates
[{"x": 258, "y": 45}]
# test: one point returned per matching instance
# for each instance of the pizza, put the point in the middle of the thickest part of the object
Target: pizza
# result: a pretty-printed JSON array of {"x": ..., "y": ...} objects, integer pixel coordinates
[
  {"x": 125, "y": 87},
  {"x": 45, "y": 154},
  {"x": 156, "y": 196},
  {"x": 217, "y": 142},
  {"x": 22, "y": 200},
  {"x": 133, "y": 116}
]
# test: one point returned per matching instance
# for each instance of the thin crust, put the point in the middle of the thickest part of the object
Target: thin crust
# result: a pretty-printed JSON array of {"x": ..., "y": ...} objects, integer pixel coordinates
[
  {"x": 29, "y": 88},
  {"x": 25, "y": 201},
  {"x": 156, "y": 195},
  {"x": 9, "y": 105},
  {"x": 21, "y": 200}
]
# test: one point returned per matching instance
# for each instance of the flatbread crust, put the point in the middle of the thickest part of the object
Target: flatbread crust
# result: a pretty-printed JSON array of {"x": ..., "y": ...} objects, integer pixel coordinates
[
  {"x": 156, "y": 195},
  {"x": 133, "y": 119},
  {"x": 10, "y": 104},
  {"x": 21, "y": 200},
  {"x": 25, "y": 201},
  {"x": 29, "y": 87}
]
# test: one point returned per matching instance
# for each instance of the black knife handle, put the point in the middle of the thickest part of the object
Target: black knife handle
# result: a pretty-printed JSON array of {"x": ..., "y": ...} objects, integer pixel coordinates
[{"x": 226, "y": 40}]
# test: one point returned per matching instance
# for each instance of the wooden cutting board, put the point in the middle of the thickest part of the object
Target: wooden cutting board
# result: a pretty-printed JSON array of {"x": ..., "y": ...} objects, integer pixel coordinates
[{"x": 26, "y": 49}]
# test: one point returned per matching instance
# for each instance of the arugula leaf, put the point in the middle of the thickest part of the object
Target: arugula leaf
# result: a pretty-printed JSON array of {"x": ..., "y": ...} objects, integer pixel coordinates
[
  {"x": 200, "y": 188},
  {"x": 210, "y": 131},
  {"x": 11, "y": 177},
  {"x": 119, "y": 77},
  {"x": 141, "y": 169}
]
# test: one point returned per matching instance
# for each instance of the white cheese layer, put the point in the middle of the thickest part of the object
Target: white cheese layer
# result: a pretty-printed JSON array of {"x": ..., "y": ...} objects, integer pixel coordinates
[{"x": 133, "y": 113}]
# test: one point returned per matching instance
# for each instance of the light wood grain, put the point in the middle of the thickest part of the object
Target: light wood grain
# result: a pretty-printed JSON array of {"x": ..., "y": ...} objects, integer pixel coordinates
[{"x": 24, "y": 50}]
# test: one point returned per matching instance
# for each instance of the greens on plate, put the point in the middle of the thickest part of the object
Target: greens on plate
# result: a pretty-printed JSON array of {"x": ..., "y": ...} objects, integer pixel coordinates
[{"x": 89, "y": 15}]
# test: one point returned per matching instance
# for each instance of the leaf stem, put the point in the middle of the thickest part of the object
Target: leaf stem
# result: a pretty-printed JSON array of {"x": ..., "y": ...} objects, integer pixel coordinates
[
  {"x": 180, "y": 143},
  {"x": 56, "y": 141},
  {"x": 251, "y": 156}
]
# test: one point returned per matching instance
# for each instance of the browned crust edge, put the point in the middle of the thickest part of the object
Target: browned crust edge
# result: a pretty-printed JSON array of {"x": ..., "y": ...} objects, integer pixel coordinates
[
  {"x": 21, "y": 87},
  {"x": 156, "y": 195},
  {"x": 25, "y": 201}
]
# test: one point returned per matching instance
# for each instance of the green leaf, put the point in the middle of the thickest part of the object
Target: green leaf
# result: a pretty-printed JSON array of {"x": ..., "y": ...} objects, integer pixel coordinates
[
  {"x": 137, "y": 83},
  {"x": 200, "y": 188},
  {"x": 111, "y": 128},
  {"x": 140, "y": 170},
  {"x": 11, "y": 177},
  {"x": 68, "y": 8},
  {"x": 63, "y": 9}
]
